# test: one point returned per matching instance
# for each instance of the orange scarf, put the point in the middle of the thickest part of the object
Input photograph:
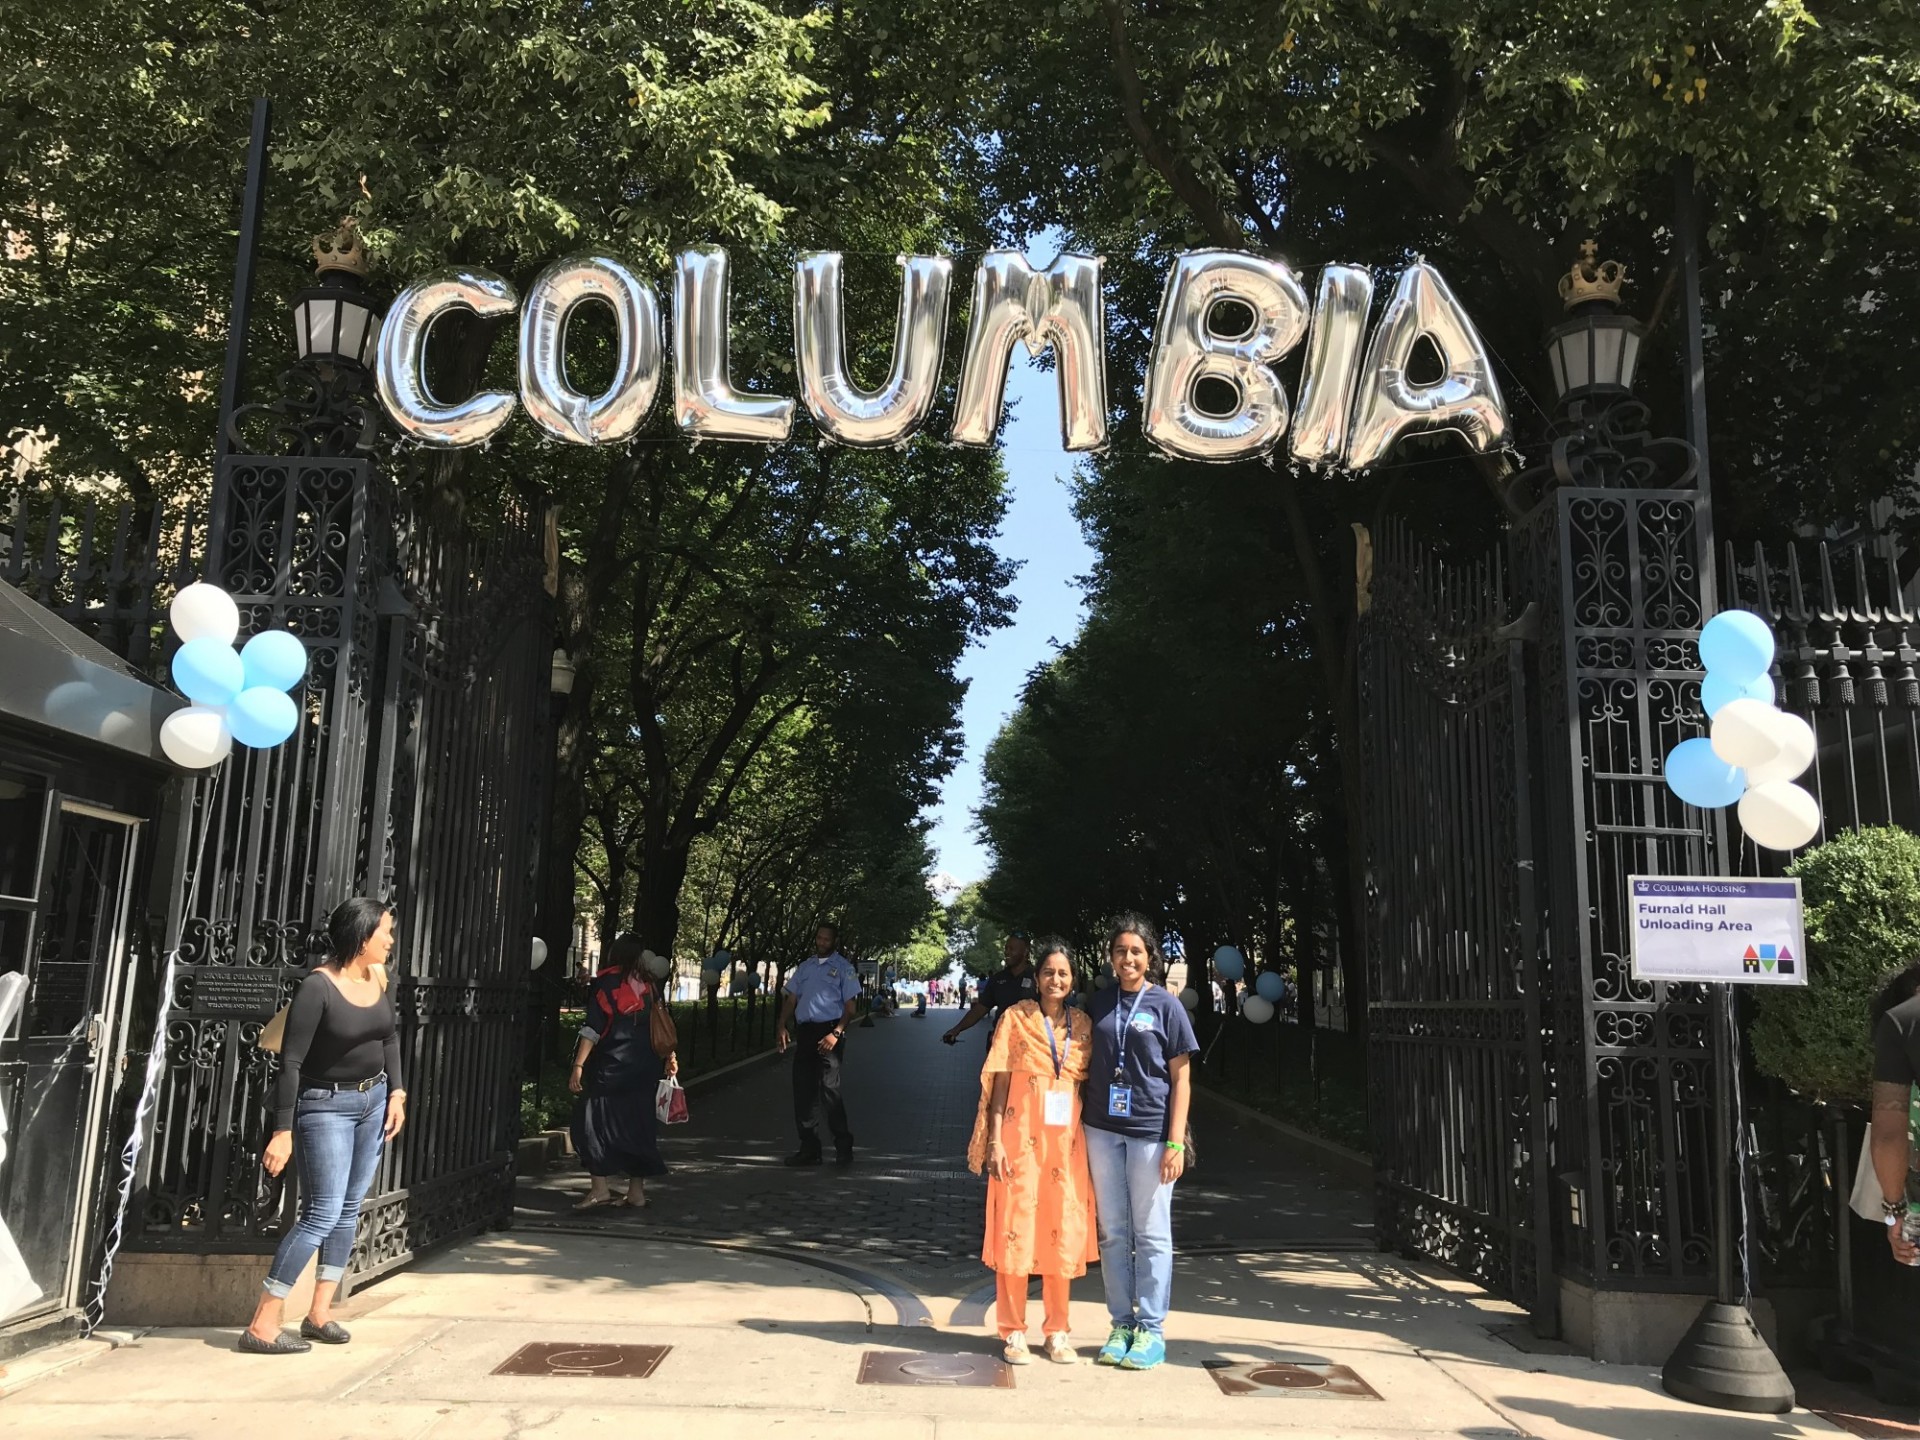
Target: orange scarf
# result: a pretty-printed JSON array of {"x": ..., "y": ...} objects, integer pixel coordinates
[{"x": 1020, "y": 1048}]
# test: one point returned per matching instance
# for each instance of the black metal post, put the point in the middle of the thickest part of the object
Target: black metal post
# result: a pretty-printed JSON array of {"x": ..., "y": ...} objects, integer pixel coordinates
[{"x": 242, "y": 309}]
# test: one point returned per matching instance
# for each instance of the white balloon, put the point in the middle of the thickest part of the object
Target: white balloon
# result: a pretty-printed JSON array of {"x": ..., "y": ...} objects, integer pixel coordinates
[
  {"x": 1797, "y": 746},
  {"x": 1257, "y": 1008},
  {"x": 204, "y": 611},
  {"x": 197, "y": 737},
  {"x": 1744, "y": 733},
  {"x": 1779, "y": 815},
  {"x": 1190, "y": 998},
  {"x": 658, "y": 966},
  {"x": 539, "y": 952}
]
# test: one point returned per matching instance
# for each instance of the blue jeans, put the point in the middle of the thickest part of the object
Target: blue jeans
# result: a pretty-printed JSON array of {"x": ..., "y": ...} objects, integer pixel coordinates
[
  {"x": 1136, "y": 1227},
  {"x": 336, "y": 1148}
]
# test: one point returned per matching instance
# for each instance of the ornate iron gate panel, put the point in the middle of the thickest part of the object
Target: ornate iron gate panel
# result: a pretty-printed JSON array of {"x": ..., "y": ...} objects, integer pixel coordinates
[{"x": 1458, "y": 1086}]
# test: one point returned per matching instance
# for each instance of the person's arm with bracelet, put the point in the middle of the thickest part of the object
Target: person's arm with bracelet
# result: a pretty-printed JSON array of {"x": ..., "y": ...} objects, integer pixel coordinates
[
  {"x": 396, "y": 1085},
  {"x": 303, "y": 1023},
  {"x": 1892, "y": 1160},
  {"x": 583, "y": 1048},
  {"x": 839, "y": 1032},
  {"x": 976, "y": 1012},
  {"x": 1173, "y": 1159},
  {"x": 783, "y": 1032},
  {"x": 997, "y": 1167}
]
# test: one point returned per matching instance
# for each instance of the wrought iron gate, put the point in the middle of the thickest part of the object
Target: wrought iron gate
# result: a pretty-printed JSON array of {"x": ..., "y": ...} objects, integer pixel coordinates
[{"x": 1456, "y": 1042}]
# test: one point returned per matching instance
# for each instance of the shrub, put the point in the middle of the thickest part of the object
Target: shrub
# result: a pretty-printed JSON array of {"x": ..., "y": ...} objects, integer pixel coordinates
[{"x": 1862, "y": 894}]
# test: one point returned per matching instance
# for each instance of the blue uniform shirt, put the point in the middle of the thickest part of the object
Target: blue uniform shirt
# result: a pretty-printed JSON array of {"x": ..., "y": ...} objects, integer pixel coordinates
[{"x": 821, "y": 988}]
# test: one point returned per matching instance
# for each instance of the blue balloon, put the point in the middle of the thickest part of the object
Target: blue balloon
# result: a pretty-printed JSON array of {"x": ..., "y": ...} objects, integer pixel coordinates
[
  {"x": 207, "y": 671},
  {"x": 1270, "y": 986},
  {"x": 1229, "y": 963},
  {"x": 1717, "y": 692},
  {"x": 1700, "y": 777},
  {"x": 262, "y": 717},
  {"x": 274, "y": 658},
  {"x": 1736, "y": 645}
]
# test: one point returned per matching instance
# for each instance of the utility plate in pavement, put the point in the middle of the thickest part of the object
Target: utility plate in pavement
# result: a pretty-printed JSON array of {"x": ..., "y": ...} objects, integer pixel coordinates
[
  {"x": 908, "y": 1367},
  {"x": 577, "y": 1358},
  {"x": 1266, "y": 1377}
]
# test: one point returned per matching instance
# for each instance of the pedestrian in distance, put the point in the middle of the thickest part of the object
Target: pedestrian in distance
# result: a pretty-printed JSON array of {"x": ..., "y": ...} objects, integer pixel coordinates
[
  {"x": 813, "y": 1023},
  {"x": 1896, "y": 1071},
  {"x": 339, "y": 1099},
  {"x": 1028, "y": 1141},
  {"x": 626, "y": 1046},
  {"x": 1138, "y": 1090},
  {"x": 1009, "y": 986}
]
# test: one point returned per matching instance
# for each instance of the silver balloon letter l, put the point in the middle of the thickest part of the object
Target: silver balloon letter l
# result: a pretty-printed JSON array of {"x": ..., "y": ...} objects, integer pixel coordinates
[
  {"x": 705, "y": 404},
  {"x": 400, "y": 373},
  {"x": 1060, "y": 306}
]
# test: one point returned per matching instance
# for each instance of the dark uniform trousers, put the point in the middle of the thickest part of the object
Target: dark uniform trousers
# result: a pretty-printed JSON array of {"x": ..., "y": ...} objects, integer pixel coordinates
[{"x": 816, "y": 1087}]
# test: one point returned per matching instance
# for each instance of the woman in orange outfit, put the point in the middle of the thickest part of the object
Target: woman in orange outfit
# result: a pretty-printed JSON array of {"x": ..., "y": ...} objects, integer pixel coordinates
[{"x": 1027, "y": 1139}]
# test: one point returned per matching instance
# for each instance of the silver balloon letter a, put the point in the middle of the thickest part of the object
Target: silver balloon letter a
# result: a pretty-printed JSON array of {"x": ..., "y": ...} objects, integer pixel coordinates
[
  {"x": 1187, "y": 350},
  {"x": 1059, "y": 307},
  {"x": 1465, "y": 398},
  {"x": 1334, "y": 342},
  {"x": 400, "y": 373},
  {"x": 842, "y": 410},
  {"x": 553, "y": 403},
  {"x": 705, "y": 404}
]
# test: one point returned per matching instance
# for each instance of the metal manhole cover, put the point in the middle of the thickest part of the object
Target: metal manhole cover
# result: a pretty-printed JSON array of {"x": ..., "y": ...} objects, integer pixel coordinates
[
  {"x": 576, "y": 1358},
  {"x": 1266, "y": 1377},
  {"x": 909, "y": 1367}
]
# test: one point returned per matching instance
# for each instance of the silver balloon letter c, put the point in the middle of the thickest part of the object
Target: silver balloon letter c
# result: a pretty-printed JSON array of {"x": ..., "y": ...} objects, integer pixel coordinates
[{"x": 400, "y": 373}]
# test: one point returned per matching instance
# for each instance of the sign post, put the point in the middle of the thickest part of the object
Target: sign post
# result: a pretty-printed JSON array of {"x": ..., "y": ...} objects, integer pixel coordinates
[{"x": 1721, "y": 932}]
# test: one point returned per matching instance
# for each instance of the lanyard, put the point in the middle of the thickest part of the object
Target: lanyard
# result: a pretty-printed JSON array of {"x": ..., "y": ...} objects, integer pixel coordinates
[
  {"x": 1057, "y": 1054},
  {"x": 1121, "y": 1027}
]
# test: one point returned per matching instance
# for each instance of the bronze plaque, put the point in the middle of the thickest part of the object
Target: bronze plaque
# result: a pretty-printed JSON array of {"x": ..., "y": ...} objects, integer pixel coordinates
[
  {"x": 1267, "y": 1377},
  {"x": 584, "y": 1358},
  {"x": 223, "y": 992},
  {"x": 909, "y": 1367}
]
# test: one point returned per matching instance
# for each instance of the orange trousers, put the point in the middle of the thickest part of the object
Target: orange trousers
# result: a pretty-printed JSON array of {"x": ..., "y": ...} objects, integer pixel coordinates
[{"x": 1013, "y": 1303}]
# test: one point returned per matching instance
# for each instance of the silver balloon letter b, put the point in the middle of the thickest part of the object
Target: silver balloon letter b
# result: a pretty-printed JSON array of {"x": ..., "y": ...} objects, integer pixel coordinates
[
  {"x": 1334, "y": 343},
  {"x": 842, "y": 410},
  {"x": 1465, "y": 398},
  {"x": 400, "y": 373},
  {"x": 1187, "y": 350},
  {"x": 705, "y": 404},
  {"x": 553, "y": 403},
  {"x": 1059, "y": 307}
]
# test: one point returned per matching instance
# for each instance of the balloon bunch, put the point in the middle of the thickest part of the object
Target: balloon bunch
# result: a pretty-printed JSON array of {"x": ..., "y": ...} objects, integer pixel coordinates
[
  {"x": 236, "y": 695},
  {"x": 1755, "y": 751}
]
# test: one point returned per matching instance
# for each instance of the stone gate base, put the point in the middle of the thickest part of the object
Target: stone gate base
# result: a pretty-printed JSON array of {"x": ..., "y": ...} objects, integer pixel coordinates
[{"x": 207, "y": 1291}]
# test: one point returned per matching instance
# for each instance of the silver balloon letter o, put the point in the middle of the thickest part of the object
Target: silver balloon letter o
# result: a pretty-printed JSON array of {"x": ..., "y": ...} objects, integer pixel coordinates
[
  {"x": 554, "y": 404},
  {"x": 400, "y": 373}
]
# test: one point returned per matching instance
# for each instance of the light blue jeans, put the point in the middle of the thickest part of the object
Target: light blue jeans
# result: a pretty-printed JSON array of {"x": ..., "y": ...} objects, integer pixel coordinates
[
  {"x": 1136, "y": 1227},
  {"x": 336, "y": 1147}
]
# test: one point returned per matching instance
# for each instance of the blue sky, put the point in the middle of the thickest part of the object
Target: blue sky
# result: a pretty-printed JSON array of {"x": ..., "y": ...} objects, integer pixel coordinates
[{"x": 1041, "y": 535}]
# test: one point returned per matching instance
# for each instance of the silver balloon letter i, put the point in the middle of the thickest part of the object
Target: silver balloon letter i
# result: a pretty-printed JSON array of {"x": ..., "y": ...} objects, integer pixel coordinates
[
  {"x": 1061, "y": 307},
  {"x": 705, "y": 404},
  {"x": 1334, "y": 343},
  {"x": 400, "y": 371},
  {"x": 840, "y": 408}
]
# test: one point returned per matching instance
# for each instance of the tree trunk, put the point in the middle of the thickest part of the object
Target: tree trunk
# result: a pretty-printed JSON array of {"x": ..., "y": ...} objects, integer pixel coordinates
[{"x": 656, "y": 911}]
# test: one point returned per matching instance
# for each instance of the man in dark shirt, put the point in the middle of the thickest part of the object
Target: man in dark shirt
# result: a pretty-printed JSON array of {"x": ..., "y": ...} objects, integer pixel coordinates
[
  {"x": 1896, "y": 1070},
  {"x": 1009, "y": 987}
]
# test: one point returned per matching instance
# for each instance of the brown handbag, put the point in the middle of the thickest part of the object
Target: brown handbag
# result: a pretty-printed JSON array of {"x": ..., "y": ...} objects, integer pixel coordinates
[{"x": 660, "y": 1028}]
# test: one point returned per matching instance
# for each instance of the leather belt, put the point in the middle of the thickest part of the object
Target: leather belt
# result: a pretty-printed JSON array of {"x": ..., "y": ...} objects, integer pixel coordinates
[{"x": 362, "y": 1086}]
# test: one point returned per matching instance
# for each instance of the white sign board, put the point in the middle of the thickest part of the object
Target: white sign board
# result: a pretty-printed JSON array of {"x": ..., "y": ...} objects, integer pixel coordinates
[{"x": 1736, "y": 932}]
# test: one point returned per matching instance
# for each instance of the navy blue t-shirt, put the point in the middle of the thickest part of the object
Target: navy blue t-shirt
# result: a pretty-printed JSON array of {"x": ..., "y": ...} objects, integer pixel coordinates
[{"x": 1160, "y": 1032}]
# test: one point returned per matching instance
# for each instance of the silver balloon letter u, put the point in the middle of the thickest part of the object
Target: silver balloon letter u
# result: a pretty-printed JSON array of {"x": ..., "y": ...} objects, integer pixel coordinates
[
  {"x": 1465, "y": 398},
  {"x": 550, "y": 399},
  {"x": 705, "y": 404},
  {"x": 400, "y": 371},
  {"x": 841, "y": 409},
  {"x": 1060, "y": 307}
]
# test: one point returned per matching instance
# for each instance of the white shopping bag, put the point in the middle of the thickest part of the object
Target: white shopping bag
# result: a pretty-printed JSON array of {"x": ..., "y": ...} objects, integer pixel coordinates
[
  {"x": 1865, "y": 1199},
  {"x": 670, "y": 1103}
]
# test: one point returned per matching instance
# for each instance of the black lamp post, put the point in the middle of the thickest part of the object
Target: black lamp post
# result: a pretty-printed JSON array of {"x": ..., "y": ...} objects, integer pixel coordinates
[
  {"x": 335, "y": 322},
  {"x": 1595, "y": 352}
]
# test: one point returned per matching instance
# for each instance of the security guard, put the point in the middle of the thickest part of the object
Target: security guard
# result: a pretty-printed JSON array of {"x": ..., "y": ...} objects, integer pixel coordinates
[
  {"x": 820, "y": 993},
  {"x": 1009, "y": 987}
]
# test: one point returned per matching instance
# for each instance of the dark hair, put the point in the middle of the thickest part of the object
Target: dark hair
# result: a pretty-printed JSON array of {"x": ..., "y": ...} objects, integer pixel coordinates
[
  {"x": 1900, "y": 989},
  {"x": 625, "y": 951},
  {"x": 351, "y": 926},
  {"x": 1050, "y": 945},
  {"x": 828, "y": 925},
  {"x": 1131, "y": 922}
]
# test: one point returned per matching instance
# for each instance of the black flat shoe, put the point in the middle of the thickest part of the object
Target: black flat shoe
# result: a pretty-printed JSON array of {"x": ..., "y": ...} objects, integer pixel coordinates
[
  {"x": 843, "y": 1159},
  {"x": 281, "y": 1344},
  {"x": 331, "y": 1333},
  {"x": 803, "y": 1157}
]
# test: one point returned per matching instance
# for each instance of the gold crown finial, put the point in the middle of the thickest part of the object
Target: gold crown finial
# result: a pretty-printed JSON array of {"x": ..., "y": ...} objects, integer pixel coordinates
[
  {"x": 1592, "y": 278},
  {"x": 342, "y": 250}
]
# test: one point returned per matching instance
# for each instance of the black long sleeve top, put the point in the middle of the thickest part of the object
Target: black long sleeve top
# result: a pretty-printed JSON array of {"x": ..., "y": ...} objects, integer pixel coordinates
[{"x": 329, "y": 1038}]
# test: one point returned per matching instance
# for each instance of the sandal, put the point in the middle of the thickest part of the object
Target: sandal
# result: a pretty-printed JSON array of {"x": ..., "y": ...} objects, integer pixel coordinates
[
  {"x": 591, "y": 1201},
  {"x": 639, "y": 1204}
]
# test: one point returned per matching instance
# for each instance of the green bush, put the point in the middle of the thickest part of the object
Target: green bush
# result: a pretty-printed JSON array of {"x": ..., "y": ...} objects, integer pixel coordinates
[{"x": 1862, "y": 893}]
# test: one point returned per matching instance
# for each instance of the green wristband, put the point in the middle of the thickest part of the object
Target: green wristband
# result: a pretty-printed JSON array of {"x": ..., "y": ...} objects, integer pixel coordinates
[{"x": 1176, "y": 1147}]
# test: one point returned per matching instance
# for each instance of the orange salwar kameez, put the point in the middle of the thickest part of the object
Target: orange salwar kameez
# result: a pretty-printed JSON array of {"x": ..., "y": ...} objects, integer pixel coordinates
[{"x": 1040, "y": 1221}]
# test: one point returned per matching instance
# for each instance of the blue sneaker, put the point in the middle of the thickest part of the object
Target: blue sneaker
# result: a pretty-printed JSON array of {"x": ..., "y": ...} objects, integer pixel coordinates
[
  {"x": 1119, "y": 1345},
  {"x": 1147, "y": 1351}
]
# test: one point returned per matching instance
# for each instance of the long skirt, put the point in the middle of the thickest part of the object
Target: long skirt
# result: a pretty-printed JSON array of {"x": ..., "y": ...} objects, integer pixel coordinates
[{"x": 614, "y": 1131}]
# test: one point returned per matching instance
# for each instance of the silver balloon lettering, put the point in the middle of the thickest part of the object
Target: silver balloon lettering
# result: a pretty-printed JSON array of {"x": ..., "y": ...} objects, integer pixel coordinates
[
  {"x": 1188, "y": 351},
  {"x": 841, "y": 409},
  {"x": 705, "y": 404},
  {"x": 550, "y": 399},
  {"x": 1466, "y": 398},
  {"x": 1335, "y": 341},
  {"x": 400, "y": 375},
  {"x": 1061, "y": 307}
]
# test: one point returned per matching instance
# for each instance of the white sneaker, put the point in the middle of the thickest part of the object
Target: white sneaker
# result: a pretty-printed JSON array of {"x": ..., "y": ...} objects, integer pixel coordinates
[
  {"x": 1059, "y": 1349},
  {"x": 1015, "y": 1351}
]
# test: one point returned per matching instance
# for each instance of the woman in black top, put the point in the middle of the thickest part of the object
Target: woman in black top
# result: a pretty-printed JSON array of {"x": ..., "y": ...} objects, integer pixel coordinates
[
  {"x": 1896, "y": 1070},
  {"x": 616, "y": 1073},
  {"x": 340, "y": 1099}
]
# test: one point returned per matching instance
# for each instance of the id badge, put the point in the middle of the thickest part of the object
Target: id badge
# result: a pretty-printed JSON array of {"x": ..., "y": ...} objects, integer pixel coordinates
[
  {"x": 1120, "y": 1101},
  {"x": 1059, "y": 1107}
]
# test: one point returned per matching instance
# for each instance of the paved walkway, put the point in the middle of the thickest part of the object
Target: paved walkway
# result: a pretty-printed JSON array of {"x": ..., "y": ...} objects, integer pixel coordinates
[{"x": 773, "y": 1289}]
